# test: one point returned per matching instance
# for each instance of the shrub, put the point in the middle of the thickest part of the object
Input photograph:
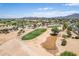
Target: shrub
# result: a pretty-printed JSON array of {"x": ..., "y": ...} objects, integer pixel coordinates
[
  {"x": 64, "y": 42},
  {"x": 69, "y": 28},
  {"x": 77, "y": 37},
  {"x": 66, "y": 53},
  {"x": 20, "y": 32},
  {"x": 65, "y": 25},
  {"x": 73, "y": 37},
  {"x": 69, "y": 33},
  {"x": 65, "y": 36}
]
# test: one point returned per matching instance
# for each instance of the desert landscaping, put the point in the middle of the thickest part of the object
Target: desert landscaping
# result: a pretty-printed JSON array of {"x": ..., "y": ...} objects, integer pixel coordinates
[
  {"x": 38, "y": 40},
  {"x": 39, "y": 29}
]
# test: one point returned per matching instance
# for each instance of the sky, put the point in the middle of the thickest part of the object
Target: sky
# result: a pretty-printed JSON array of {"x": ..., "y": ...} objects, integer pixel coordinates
[{"x": 16, "y": 10}]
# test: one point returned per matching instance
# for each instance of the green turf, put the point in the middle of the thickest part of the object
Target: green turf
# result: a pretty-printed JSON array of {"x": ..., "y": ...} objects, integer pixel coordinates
[
  {"x": 33, "y": 34},
  {"x": 66, "y": 53}
]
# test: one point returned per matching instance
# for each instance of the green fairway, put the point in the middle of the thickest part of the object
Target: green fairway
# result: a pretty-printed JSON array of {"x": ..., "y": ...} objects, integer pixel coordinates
[{"x": 33, "y": 34}]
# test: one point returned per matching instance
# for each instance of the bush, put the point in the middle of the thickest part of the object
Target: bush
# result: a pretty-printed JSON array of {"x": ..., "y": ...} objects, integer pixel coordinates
[
  {"x": 64, "y": 42},
  {"x": 73, "y": 37},
  {"x": 77, "y": 37},
  {"x": 66, "y": 53}
]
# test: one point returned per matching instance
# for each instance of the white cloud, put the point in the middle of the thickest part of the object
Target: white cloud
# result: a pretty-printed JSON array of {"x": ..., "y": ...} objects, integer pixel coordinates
[
  {"x": 52, "y": 13},
  {"x": 72, "y": 4},
  {"x": 45, "y": 8}
]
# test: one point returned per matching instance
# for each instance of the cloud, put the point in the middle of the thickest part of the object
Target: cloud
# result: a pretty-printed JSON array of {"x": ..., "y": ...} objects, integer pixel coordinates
[
  {"x": 52, "y": 13},
  {"x": 44, "y": 9},
  {"x": 72, "y": 4}
]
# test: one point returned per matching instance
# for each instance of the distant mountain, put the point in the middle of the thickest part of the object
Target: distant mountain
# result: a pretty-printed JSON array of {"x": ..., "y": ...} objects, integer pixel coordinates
[{"x": 73, "y": 16}]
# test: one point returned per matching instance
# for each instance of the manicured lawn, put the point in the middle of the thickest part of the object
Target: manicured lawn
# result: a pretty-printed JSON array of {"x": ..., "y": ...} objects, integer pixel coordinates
[{"x": 33, "y": 34}]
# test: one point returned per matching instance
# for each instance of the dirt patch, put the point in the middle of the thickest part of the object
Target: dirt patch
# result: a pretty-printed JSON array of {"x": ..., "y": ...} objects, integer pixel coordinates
[
  {"x": 6, "y": 37},
  {"x": 50, "y": 44}
]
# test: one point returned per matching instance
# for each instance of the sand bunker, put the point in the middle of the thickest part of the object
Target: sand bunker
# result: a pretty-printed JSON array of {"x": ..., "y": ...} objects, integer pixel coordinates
[{"x": 50, "y": 44}]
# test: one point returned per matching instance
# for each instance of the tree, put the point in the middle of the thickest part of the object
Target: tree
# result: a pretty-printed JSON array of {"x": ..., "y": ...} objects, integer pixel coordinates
[
  {"x": 54, "y": 30},
  {"x": 65, "y": 25},
  {"x": 69, "y": 33},
  {"x": 77, "y": 24},
  {"x": 69, "y": 28},
  {"x": 14, "y": 23}
]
